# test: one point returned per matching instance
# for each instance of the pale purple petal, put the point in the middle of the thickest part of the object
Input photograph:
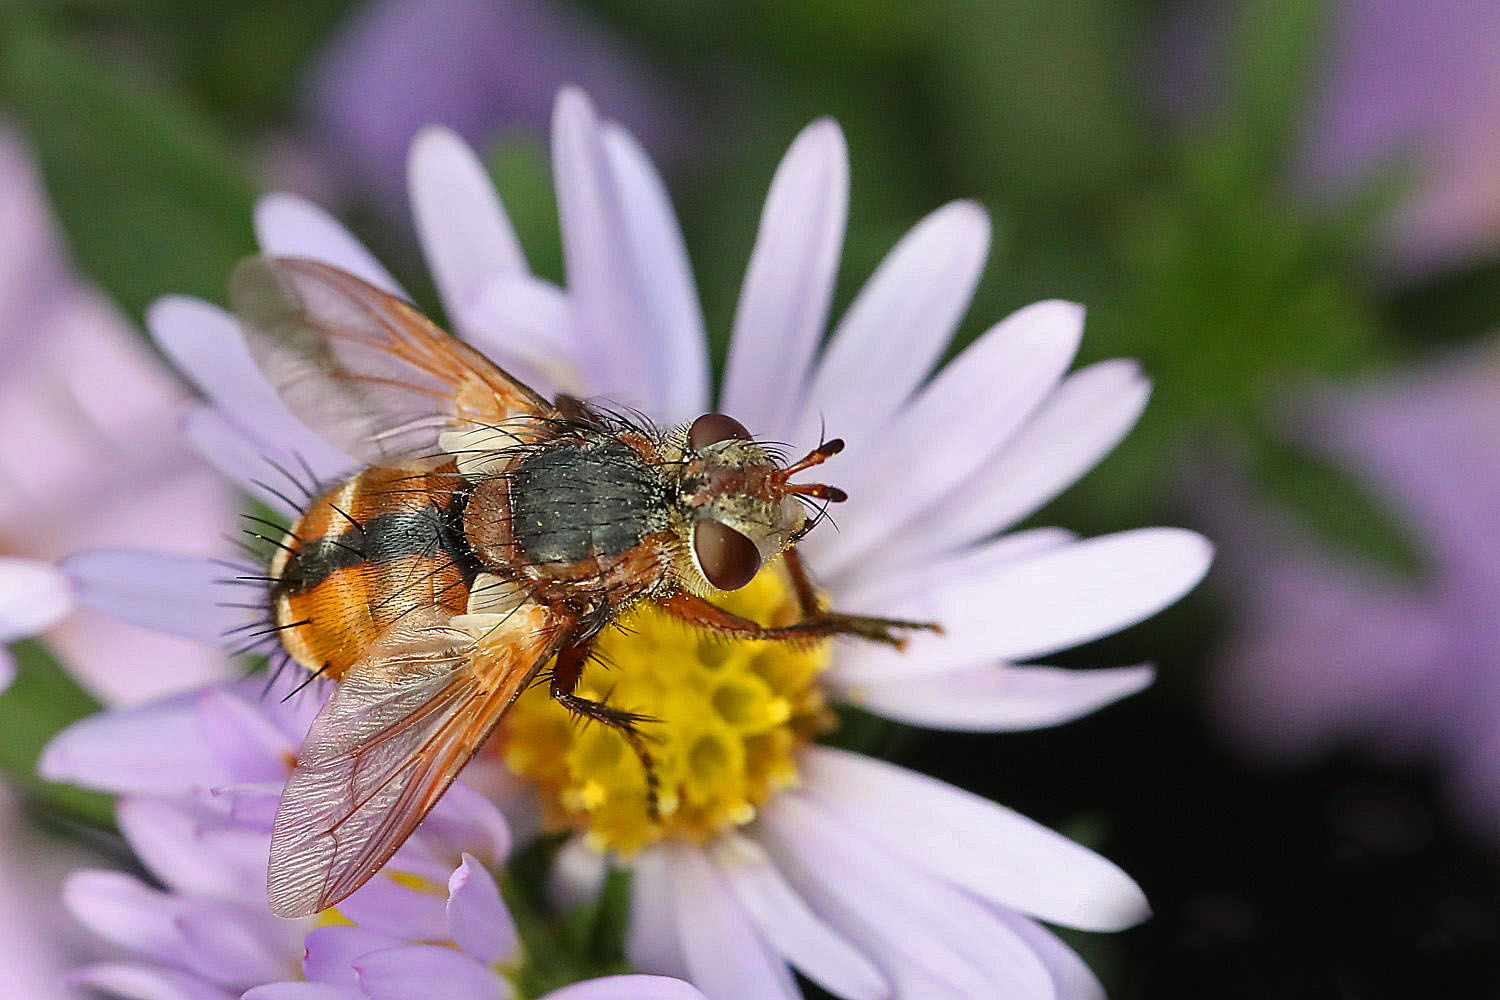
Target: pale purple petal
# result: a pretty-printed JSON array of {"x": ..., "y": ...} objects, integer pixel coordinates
[
  {"x": 663, "y": 279},
  {"x": 464, "y": 821},
  {"x": 289, "y": 226},
  {"x": 897, "y": 327},
  {"x": 431, "y": 972},
  {"x": 237, "y": 944},
  {"x": 918, "y": 928},
  {"x": 386, "y": 906},
  {"x": 784, "y": 301},
  {"x": 1073, "y": 978},
  {"x": 150, "y": 749},
  {"x": 205, "y": 344},
  {"x": 791, "y": 929},
  {"x": 244, "y": 461},
  {"x": 611, "y": 322},
  {"x": 525, "y": 325},
  {"x": 332, "y": 952},
  {"x": 651, "y": 940},
  {"x": 726, "y": 956},
  {"x": 478, "y": 921},
  {"x": 7, "y": 668},
  {"x": 957, "y": 424},
  {"x": 252, "y": 804},
  {"x": 126, "y": 912},
  {"x": 144, "y": 982},
  {"x": 978, "y": 845},
  {"x": 1003, "y": 697},
  {"x": 304, "y": 991},
  {"x": 164, "y": 591},
  {"x": 1068, "y": 434},
  {"x": 240, "y": 733},
  {"x": 1029, "y": 607},
  {"x": 627, "y": 988},
  {"x": 34, "y": 596},
  {"x": 465, "y": 234},
  {"x": 190, "y": 848},
  {"x": 878, "y": 590}
]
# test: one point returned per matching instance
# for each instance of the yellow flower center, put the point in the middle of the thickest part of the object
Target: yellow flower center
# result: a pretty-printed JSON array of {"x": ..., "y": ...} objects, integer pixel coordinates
[{"x": 729, "y": 718}]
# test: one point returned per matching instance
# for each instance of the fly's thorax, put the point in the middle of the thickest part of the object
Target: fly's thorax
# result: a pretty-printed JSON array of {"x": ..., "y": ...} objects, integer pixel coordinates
[{"x": 584, "y": 508}]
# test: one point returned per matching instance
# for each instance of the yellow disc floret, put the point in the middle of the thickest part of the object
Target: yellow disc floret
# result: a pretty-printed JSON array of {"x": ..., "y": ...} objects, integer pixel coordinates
[{"x": 728, "y": 717}]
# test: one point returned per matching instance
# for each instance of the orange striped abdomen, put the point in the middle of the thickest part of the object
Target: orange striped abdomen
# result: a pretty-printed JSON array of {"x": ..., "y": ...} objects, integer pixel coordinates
[{"x": 384, "y": 543}]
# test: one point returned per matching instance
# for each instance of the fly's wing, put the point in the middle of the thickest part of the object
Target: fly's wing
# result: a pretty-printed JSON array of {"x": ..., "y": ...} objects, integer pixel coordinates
[
  {"x": 388, "y": 743},
  {"x": 366, "y": 370}
]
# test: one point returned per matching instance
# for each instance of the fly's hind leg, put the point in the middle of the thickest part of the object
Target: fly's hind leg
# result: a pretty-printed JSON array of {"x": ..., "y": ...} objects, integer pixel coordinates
[{"x": 565, "y": 675}]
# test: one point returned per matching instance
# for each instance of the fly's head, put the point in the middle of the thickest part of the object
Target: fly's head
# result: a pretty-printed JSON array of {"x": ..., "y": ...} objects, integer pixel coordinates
[{"x": 736, "y": 507}]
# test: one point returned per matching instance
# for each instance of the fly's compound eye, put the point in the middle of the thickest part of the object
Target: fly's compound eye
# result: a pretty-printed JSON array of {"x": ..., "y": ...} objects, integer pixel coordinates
[
  {"x": 727, "y": 558},
  {"x": 711, "y": 428}
]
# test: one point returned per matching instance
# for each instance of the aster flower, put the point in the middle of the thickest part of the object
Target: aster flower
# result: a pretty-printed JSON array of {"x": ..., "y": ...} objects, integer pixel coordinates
[
  {"x": 771, "y": 851},
  {"x": 198, "y": 777},
  {"x": 89, "y": 457},
  {"x": 1328, "y": 650}
]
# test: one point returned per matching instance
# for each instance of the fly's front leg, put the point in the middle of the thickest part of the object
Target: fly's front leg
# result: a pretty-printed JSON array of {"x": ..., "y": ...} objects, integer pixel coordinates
[
  {"x": 821, "y": 625},
  {"x": 565, "y": 676}
]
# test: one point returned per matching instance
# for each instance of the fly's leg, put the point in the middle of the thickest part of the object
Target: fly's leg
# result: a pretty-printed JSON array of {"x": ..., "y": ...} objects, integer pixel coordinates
[
  {"x": 822, "y": 625},
  {"x": 565, "y": 675}
]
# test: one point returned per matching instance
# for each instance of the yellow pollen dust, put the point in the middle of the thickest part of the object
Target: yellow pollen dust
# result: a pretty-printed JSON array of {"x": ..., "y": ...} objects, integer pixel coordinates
[{"x": 729, "y": 716}]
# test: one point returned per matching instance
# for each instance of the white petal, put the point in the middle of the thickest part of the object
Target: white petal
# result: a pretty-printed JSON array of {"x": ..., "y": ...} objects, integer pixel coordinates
[
  {"x": 577, "y": 875},
  {"x": 34, "y": 596},
  {"x": 957, "y": 424},
  {"x": 289, "y": 226},
  {"x": 725, "y": 955},
  {"x": 205, "y": 344},
  {"x": 1075, "y": 427},
  {"x": 783, "y": 304},
  {"x": 978, "y": 845},
  {"x": 791, "y": 929},
  {"x": 463, "y": 229},
  {"x": 627, "y": 988},
  {"x": 920, "y": 930},
  {"x": 996, "y": 698},
  {"x": 896, "y": 329},
  {"x": 611, "y": 324},
  {"x": 1030, "y": 607},
  {"x": 163, "y": 591},
  {"x": 651, "y": 941},
  {"x": 663, "y": 277}
]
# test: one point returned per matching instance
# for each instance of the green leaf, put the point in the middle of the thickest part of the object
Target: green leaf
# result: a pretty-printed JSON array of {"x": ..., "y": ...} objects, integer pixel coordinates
[
  {"x": 42, "y": 700},
  {"x": 152, "y": 198}
]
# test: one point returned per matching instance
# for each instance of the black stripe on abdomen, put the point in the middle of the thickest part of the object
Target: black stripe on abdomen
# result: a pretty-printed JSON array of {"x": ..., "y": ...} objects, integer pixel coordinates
[{"x": 383, "y": 539}]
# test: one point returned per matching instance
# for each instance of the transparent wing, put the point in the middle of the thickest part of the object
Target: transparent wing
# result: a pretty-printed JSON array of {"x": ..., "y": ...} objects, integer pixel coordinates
[
  {"x": 366, "y": 370},
  {"x": 390, "y": 740}
]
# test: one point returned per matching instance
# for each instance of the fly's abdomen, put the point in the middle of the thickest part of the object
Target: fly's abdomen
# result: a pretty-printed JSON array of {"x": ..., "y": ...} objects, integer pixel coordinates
[{"x": 384, "y": 543}]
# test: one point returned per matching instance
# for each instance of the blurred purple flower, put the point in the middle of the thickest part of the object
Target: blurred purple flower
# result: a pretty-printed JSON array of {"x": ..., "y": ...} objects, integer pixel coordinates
[
  {"x": 1399, "y": 83},
  {"x": 199, "y": 776},
  {"x": 1328, "y": 650},
  {"x": 90, "y": 457},
  {"x": 476, "y": 66}
]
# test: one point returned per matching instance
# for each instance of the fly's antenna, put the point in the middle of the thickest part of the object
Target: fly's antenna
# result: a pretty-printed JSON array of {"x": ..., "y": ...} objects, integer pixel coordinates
[{"x": 820, "y": 491}]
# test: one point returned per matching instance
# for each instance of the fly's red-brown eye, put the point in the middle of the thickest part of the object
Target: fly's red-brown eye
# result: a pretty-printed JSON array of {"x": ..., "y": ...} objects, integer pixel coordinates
[
  {"x": 711, "y": 428},
  {"x": 728, "y": 559}
]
